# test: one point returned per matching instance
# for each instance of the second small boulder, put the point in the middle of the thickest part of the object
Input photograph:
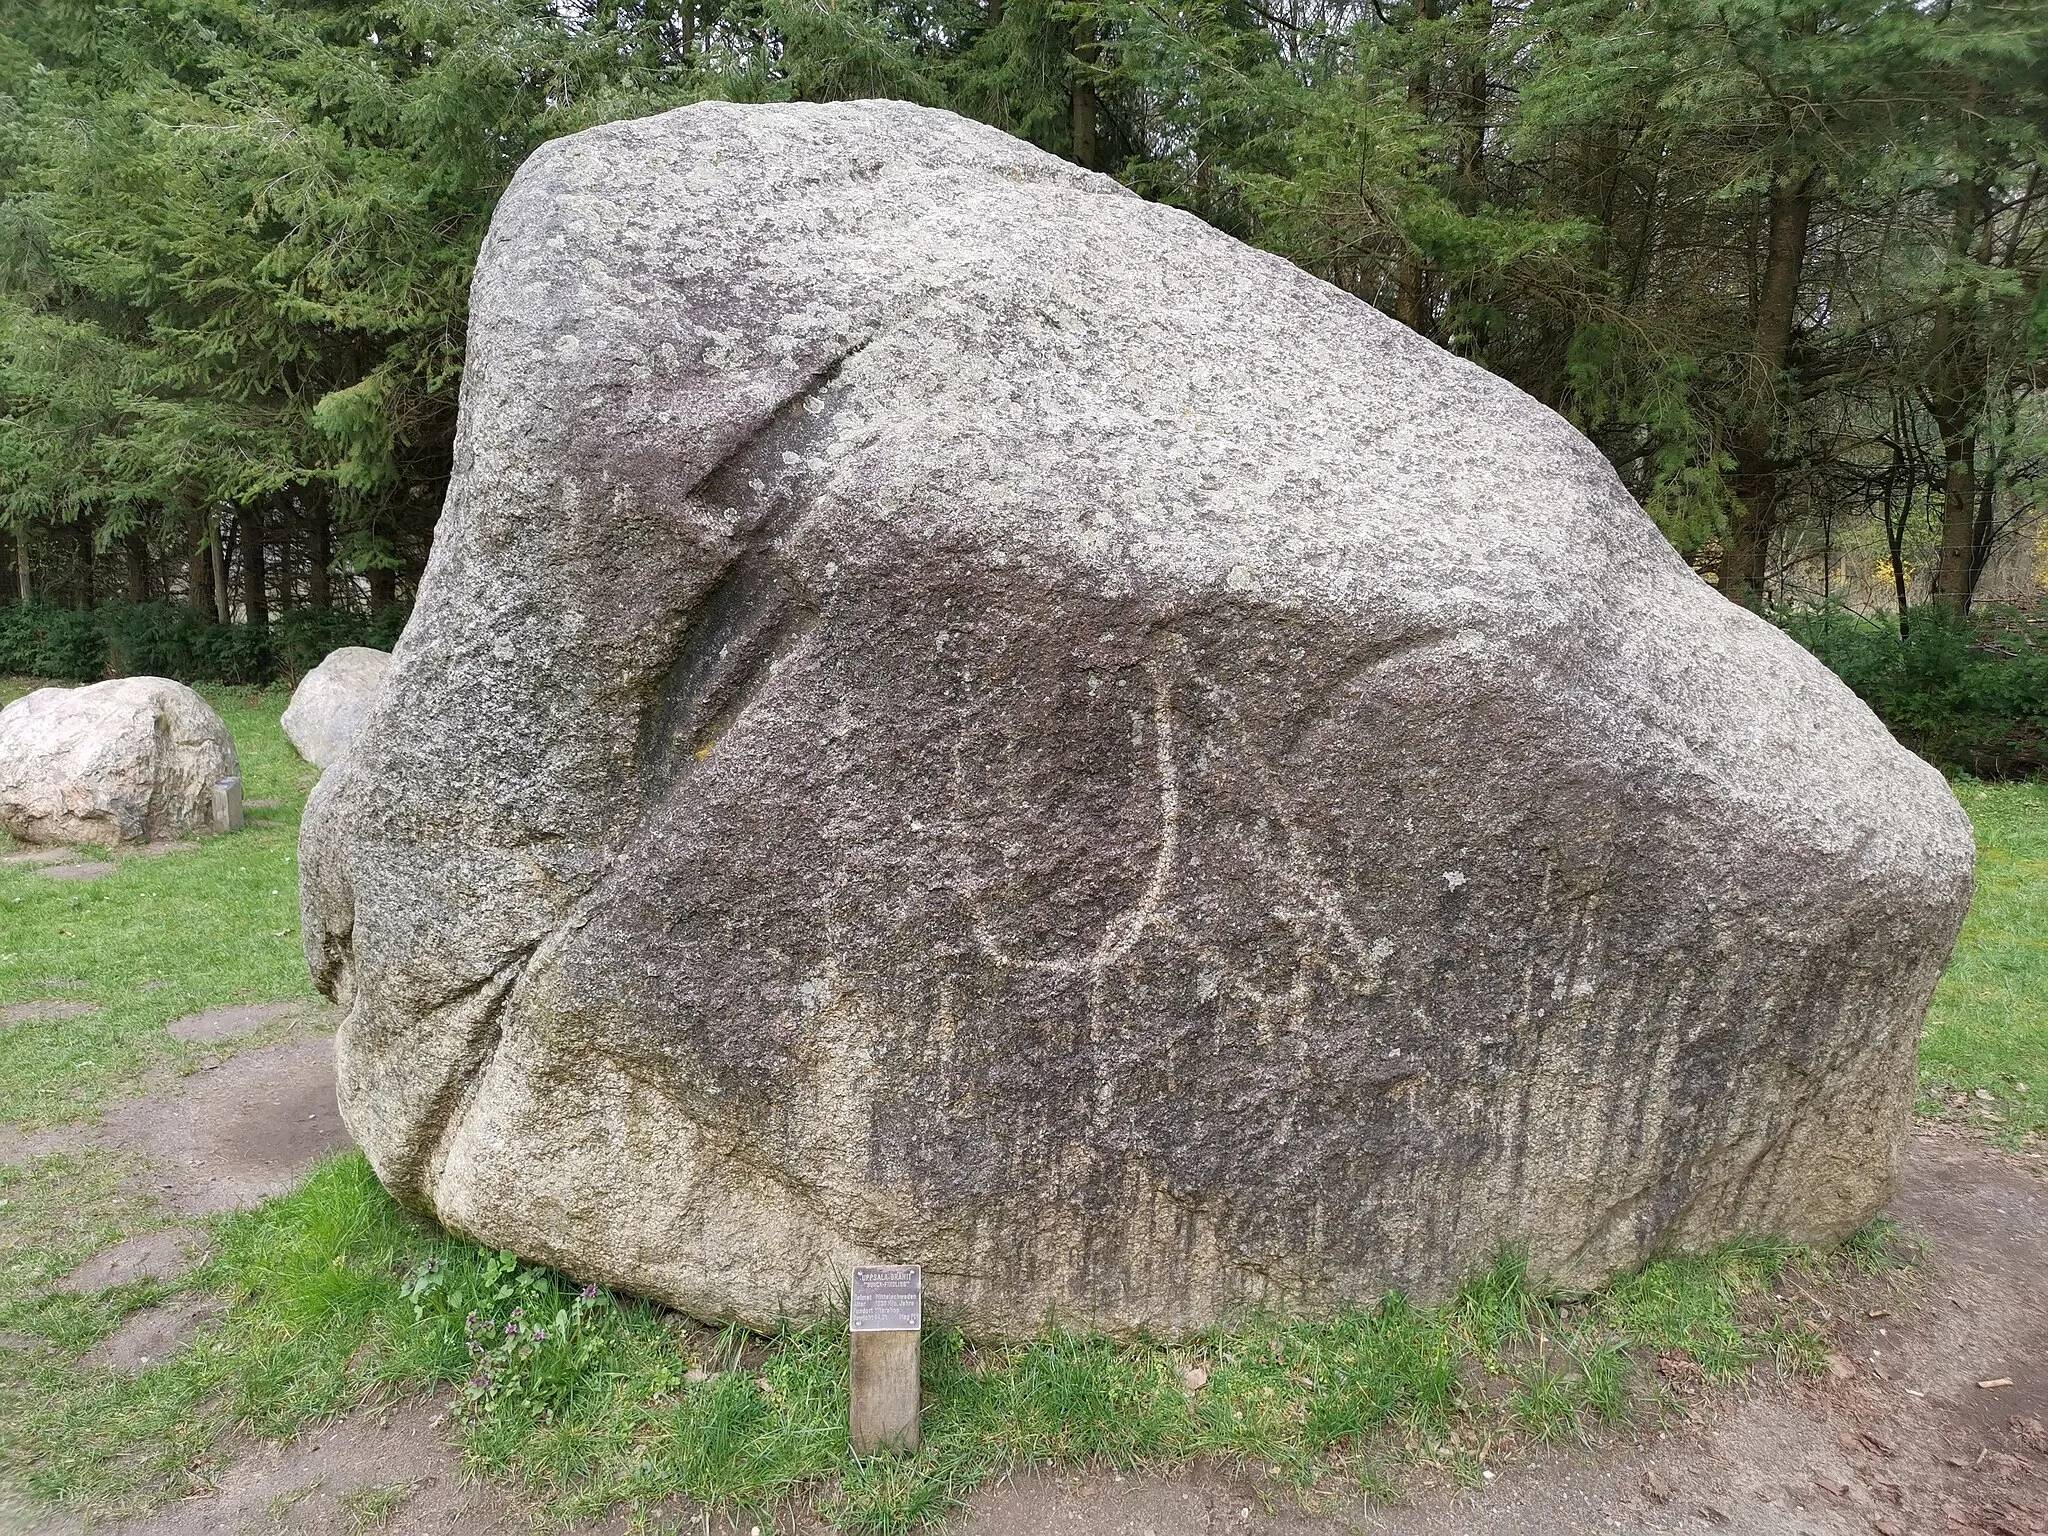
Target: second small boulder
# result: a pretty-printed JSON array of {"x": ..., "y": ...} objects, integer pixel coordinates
[{"x": 329, "y": 707}]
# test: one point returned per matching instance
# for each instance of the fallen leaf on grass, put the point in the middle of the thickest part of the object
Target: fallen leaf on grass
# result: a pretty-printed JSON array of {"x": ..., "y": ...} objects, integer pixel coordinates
[
  {"x": 1194, "y": 1378},
  {"x": 1677, "y": 1365}
]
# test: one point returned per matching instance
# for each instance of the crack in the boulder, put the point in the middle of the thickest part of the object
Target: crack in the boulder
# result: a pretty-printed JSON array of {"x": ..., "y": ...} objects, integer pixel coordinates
[
  {"x": 751, "y": 615},
  {"x": 486, "y": 1033},
  {"x": 755, "y": 612}
]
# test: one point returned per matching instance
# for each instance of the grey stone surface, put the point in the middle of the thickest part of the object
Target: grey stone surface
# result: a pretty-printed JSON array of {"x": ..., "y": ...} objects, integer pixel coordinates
[
  {"x": 958, "y": 717},
  {"x": 332, "y": 701},
  {"x": 227, "y": 805},
  {"x": 134, "y": 760}
]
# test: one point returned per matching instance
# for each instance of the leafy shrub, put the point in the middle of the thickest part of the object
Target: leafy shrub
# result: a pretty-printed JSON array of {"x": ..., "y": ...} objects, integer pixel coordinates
[
  {"x": 177, "y": 641},
  {"x": 1969, "y": 692},
  {"x": 532, "y": 1339}
]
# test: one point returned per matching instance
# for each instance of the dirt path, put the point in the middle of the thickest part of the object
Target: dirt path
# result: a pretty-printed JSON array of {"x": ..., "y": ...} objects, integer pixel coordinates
[{"x": 1900, "y": 1440}]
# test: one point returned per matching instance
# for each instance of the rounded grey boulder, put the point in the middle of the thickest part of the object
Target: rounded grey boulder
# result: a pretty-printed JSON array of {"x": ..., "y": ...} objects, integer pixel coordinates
[
  {"x": 960, "y": 717},
  {"x": 332, "y": 702},
  {"x": 134, "y": 760}
]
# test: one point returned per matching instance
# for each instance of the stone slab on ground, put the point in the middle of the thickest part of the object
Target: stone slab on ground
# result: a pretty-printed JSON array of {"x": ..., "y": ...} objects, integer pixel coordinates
[{"x": 41, "y": 856}]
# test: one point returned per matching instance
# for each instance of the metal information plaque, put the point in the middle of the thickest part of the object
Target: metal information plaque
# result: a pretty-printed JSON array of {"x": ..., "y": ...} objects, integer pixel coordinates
[{"x": 887, "y": 1298}]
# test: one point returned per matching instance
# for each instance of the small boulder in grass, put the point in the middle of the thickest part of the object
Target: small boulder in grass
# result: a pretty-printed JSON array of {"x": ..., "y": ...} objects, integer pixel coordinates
[
  {"x": 134, "y": 760},
  {"x": 332, "y": 702}
]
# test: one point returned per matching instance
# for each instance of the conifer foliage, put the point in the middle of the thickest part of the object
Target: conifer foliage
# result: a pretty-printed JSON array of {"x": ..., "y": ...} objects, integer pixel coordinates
[{"x": 1782, "y": 259}]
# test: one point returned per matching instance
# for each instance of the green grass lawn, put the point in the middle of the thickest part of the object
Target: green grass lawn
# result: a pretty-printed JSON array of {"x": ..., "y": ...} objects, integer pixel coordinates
[
  {"x": 591, "y": 1402},
  {"x": 165, "y": 936},
  {"x": 1985, "y": 1054}
]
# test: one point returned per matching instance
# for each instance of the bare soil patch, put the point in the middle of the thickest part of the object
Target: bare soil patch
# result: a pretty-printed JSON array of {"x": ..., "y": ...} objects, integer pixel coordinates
[
  {"x": 44, "y": 1009},
  {"x": 162, "y": 1255},
  {"x": 221, "y": 1024},
  {"x": 149, "y": 1336},
  {"x": 391, "y": 1470},
  {"x": 228, "y": 1136},
  {"x": 233, "y": 1134}
]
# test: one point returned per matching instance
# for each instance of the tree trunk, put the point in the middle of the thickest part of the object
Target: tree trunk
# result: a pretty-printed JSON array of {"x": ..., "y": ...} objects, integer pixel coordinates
[
  {"x": 318, "y": 591},
  {"x": 198, "y": 565},
  {"x": 1411, "y": 299},
  {"x": 136, "y": 548},
  {"x": 1987, "y": 526},
  {"x": 383, "y": 586},
  {"x": 1759, "y": 475},
  {"x": 1411, "y": 293},
  {"x": 21, "y": 565},
  {"x": 288, "y": 516},
  {"x": 85, "y": 590},
  {"x": 220, "y": 569},
  {"x": 1081, "y": 100},
  {"x": 1954, "y": 395},
  {"x": 1472, "y": 108},
  {"x": 255, "y": 569}
]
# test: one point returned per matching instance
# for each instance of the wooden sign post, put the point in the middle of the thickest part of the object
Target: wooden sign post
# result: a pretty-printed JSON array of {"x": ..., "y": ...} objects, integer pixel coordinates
[{"x": 887, "y": 1319}]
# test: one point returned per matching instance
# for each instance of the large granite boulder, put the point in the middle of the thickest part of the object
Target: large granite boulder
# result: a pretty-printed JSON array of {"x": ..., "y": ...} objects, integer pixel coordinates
[
  {"x": 332, "y": 701},
  {"x": 961, "y": 717},
  {"x": 135, "y": 760}
]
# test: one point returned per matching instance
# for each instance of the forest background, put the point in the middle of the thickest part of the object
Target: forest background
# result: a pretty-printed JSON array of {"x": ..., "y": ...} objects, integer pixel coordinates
[{"x": 1780, "y": 259}]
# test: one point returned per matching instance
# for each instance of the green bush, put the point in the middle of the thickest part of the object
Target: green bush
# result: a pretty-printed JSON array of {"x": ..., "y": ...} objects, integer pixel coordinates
[
  {"x": 1969, "y": 692},
  {"x": 83, "y": 645}
]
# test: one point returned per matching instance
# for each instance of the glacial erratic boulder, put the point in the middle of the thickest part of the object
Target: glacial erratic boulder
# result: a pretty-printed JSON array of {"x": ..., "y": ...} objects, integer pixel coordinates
[
  {"x": 134, "y": 760},
  {"x": 332, "y": 701},
  {"x": 960, "y": 717}
]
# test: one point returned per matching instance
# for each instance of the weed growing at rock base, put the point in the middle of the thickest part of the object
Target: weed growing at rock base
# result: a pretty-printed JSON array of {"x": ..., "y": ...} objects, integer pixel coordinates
[{"x": 338, "y": 1298}]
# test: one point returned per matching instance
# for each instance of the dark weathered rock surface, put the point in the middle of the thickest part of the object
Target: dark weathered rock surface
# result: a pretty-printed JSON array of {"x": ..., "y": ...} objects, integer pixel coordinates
[{"x": 960, "y": 717}]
